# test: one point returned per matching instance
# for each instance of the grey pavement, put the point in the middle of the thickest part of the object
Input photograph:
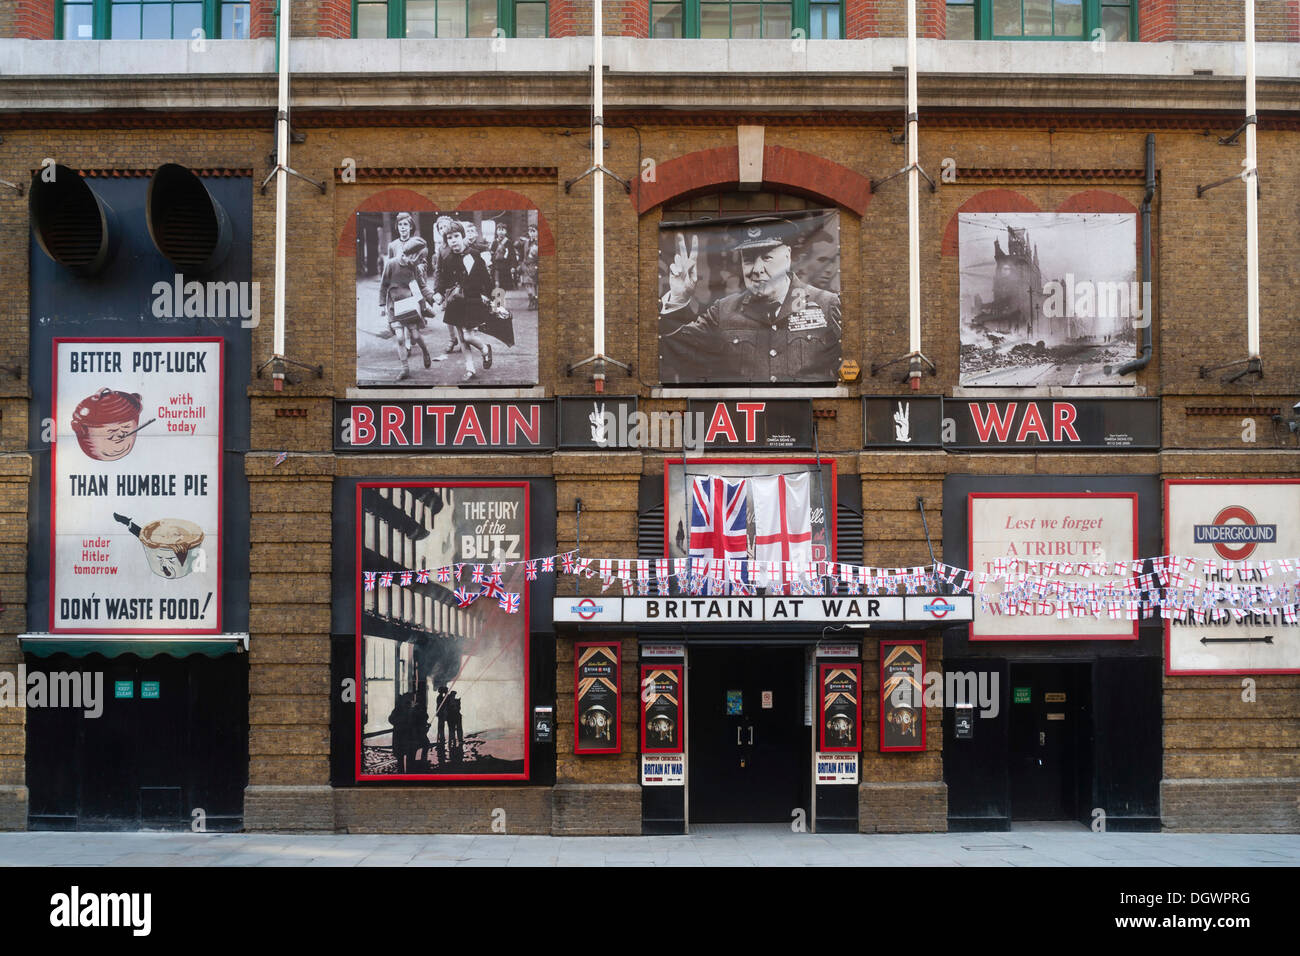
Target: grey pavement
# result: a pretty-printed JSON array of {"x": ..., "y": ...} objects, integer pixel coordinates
[{"x": 719, "y": 845}]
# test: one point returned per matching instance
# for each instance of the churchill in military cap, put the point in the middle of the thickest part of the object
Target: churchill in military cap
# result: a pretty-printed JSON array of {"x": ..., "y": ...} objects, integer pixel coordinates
[{"x": 779, "y": 329}]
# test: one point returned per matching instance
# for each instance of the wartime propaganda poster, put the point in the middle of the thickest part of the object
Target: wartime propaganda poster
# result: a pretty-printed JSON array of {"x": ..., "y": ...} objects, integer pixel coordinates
[
  {"x": 661, "y": 708},
  {"x": 442, "y": 631},
  {"x": 1048, "y": 298},
  {"x": 447, "y": 298},
  {"x": 902, "y": 710},
  {"x": 841, "y": 708},
  {"x": 596, "y": 703},
  {"x": 752, "y": 299},
  {"x": 136, "y": 486},
  {"x": 1065, "y": 538},
  {"x": 1243, "y": 535}
]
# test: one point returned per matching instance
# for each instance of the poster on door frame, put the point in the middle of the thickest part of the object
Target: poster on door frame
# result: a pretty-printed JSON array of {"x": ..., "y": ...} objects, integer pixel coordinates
[
  {"x": 597, "y": 703},
  {"x": 902, "y": 706},
  {"x": 661, "y": 708},
  {"x": 840, "y": 726},
  {"x": 135, "y": 478}
]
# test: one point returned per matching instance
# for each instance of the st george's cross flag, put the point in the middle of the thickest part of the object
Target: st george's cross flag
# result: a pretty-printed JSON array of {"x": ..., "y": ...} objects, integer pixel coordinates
[
  {"x": 719, "y": 513},
  {"x": 782, "y": 519}
]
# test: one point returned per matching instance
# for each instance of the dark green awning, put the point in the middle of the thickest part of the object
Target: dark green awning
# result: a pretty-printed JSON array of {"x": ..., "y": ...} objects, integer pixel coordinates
[{"x": 116, "y": 645}]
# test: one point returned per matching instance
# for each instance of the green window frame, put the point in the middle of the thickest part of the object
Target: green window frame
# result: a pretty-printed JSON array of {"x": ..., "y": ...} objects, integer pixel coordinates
[
  {"x": 747, "y": 19},
  {"x": 97, "y": 19},
  {"x": 453, "y": 19},
  {"x": 1041, "y": 19}
]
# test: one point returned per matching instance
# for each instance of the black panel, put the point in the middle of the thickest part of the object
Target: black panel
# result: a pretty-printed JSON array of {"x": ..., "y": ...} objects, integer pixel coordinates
[
  {"x": 1127, "y": 698},
  {"x": 975, "y": 769},
  {"x": 142, "y": 762}
]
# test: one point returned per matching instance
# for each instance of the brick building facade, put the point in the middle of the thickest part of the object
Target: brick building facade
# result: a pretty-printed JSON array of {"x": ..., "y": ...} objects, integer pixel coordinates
[{"x": 458, "y": 126}]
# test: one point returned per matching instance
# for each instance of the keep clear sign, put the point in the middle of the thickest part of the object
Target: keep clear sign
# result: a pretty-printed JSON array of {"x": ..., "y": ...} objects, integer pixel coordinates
[
  {"x": 663, "y": 770},
  {"x": 836, "y": 768},
  {"x": 136, "y": 477}
]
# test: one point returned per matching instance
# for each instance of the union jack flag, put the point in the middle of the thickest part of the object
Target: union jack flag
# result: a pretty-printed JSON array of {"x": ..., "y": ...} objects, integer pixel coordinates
[
  {"x": 444, "y": 575},
  {"x": 719, "y": 513},
  {"x": 567, "y": 562},
  {"x": 508, "y": 602},
  {"x": 386, "y": 579},
  {"x": 369, "y": 577},
  {"x": 477, "y": 575},
  {"x": 464, "y": 598},
  {"x": 530, "y": 570},
  {"x": 422, "y": 576},
  {"x": 495, "y": 575},
  {"x": 548, "y": 564},
  {"x": 406, "y": 578},
  {"x": 492, "y": 589}
]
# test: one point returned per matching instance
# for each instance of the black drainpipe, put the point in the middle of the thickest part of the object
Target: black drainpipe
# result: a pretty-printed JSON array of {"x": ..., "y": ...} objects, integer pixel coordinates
[{"x": 1148, "y": 310}]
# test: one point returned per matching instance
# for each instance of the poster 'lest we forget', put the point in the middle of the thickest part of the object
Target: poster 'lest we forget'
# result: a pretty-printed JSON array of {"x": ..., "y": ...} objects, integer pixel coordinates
[{"x": 136, "y": 493}]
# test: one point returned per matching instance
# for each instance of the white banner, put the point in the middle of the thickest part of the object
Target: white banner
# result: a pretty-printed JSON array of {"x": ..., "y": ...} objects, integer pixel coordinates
[
  {"x": 136, "y": 479},
  {"x": 836, "y": 769},
  {"x": 663, "y": 770}
]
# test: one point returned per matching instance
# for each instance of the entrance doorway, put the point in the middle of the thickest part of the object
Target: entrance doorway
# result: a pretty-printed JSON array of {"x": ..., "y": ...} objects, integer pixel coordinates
[
  {"x": 1050, "y": 741},
  {"x": 749, "y": 746}
]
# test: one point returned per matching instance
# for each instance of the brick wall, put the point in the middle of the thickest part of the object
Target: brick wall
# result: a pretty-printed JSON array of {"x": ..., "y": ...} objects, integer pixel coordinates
[
  {"x": 27, "y": 19},
  {"x": 1275, "y": 21}
]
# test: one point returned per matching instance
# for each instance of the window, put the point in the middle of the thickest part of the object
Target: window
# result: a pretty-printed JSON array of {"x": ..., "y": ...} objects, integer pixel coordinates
[
  {"x": 1041, "y": 19},
  {"x": 746, "y": 19},
  {"x": 152, "y": 19},
  {"x": 449, "y": 19}
]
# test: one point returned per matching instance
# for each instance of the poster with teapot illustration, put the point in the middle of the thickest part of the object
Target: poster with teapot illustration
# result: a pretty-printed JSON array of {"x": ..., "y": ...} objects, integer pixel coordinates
[{"x": 136, "y": 486}]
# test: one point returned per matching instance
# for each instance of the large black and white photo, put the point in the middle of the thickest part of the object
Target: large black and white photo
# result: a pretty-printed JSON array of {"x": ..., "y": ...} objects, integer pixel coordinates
[
  {"x": 750, "y": 299},
  {"x": 447, "y": 298},
  {"x": 1048, "y": 298}
]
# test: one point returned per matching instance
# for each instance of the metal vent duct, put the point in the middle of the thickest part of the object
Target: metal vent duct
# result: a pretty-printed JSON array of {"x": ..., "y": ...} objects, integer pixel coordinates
[
  {"x": 74, "y": 226},
  {"x": 187, "y": 225}
]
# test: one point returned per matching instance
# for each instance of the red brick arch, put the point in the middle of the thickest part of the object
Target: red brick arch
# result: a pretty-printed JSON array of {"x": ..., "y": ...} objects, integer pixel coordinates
[
  {"x": 398, "y": 200},
  {"x": 991, "y": 200},
  {"x": 782, "y": 166}
]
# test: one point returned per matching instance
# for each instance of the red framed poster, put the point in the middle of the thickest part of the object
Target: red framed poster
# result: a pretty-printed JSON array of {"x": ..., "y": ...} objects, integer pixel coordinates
[
  {"x": 1046, "y": 527},
  {"x": 442, "y": 659},
  {"x": 840, "y": 722},
  {"x": 821, "y": 497},
  {"x": 902, "y": 700},
  {"x": 1244, "y": 521},
  {"x": 597, "y": 701},
  {"x": 136, "y": 485},
  {"x": 661, "y": 708}
]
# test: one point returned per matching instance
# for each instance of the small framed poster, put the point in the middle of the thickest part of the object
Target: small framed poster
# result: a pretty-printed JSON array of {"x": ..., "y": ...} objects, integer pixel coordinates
[
  {"x": 902, "y": 710},
  {"x": 841, "y": 708},
  {"x": 661, "y": 708},
  {"x": 597, "y": 704}
]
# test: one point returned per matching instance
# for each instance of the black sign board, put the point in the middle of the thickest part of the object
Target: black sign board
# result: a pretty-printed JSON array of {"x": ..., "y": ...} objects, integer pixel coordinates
[
  {"x": 406, "y": 426},
  {"x": 902, "y": 422},
  {"x": 543, "y": 725},
  {"x": 963, "y": 722},
  {"x": 1012, "y": 424},
  {"x": 598, "y": 421},
  {"x": 753, "y": 424}
]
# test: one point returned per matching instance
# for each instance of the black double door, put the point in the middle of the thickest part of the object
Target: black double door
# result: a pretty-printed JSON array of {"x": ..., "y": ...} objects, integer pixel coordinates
[
  {"x": 749, "y": 745},
  {"x": 1050, "y": 741}
]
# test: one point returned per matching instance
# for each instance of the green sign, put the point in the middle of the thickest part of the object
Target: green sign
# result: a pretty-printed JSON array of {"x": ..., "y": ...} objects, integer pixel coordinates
[
  {"x": 1021, "y": 695},
  {"x": 148, "y": 690},
  {"x": 123, "y": 689}
]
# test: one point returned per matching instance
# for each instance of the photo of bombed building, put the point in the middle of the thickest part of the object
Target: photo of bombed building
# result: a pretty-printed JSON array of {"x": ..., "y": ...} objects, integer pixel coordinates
[{"x": 426, "y": 535}]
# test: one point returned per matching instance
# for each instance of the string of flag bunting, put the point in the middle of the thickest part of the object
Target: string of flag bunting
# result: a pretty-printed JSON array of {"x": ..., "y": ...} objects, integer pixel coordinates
[{"x": 1177, "y": 588}]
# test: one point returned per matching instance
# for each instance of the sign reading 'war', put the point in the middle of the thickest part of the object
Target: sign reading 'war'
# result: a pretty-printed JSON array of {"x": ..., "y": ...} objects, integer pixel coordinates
[{"x": 136, "y": 478}]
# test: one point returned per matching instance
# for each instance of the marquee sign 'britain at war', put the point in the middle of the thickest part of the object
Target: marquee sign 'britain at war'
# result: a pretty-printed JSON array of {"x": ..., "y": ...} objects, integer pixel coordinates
[{"x": 406, "y": 426}]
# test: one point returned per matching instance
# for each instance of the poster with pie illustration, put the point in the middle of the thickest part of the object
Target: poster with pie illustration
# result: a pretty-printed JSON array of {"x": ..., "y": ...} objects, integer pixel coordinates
[{"x": 136, "y": 486}]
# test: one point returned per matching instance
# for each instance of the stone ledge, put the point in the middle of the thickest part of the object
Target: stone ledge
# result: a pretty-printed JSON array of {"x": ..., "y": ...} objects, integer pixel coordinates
[
  {"x": 1219, "y": 805},
  {"x": 289, "y": 809},
  {"x": 596, "y": 809},
  {"x": 13, "y": 807},
  {"x": 903, "y": 807}
]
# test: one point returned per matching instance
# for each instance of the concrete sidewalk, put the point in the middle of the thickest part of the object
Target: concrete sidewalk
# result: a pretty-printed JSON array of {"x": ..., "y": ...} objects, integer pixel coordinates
[{"x": 705, "y": 846}]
